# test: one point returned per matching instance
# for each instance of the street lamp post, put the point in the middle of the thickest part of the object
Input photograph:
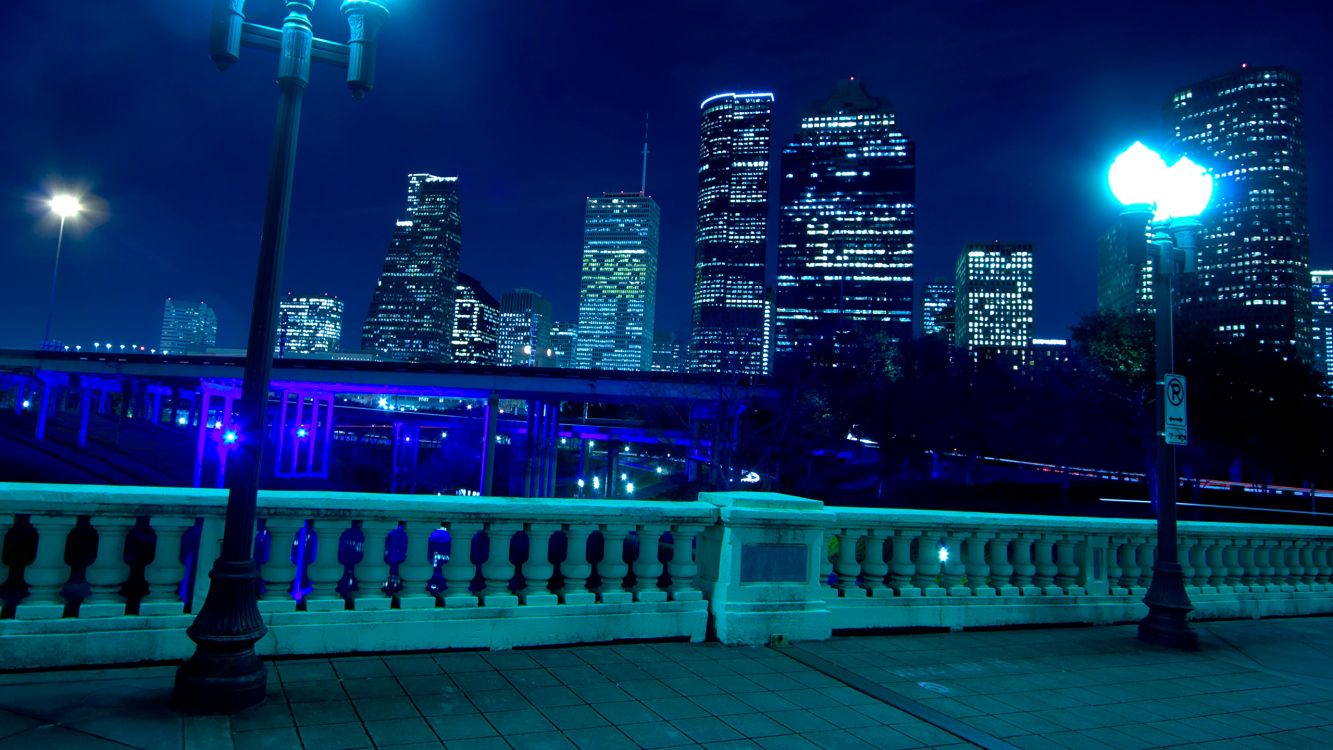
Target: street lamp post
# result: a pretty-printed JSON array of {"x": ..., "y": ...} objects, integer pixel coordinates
[
  {"x": 64, "y": 206},
  {"x": 225, "y": 674},
  {"x": 1173, "y": 197}
]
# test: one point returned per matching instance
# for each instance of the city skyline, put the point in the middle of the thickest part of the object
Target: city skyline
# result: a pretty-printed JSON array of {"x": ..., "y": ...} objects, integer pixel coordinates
[{"x": 177, "y": 257}]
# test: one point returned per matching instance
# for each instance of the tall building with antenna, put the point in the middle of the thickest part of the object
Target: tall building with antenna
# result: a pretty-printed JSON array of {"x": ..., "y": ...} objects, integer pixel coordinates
[{"x": 729, "y": 308}]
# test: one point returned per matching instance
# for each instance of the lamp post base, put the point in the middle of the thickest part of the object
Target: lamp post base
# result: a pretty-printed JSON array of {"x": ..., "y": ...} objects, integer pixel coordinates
[
  {"x": 1168, "y": 607},
  {"x": 224, "y": 674}
]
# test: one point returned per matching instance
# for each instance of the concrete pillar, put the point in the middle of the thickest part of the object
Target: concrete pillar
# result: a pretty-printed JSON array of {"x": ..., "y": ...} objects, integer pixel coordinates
[
  {"x": 85, "y": 406},
  {"x": 531, "y": 457},
  {"x": 488, "y": 436},
  {"x": 202, "y": 403},
  {"x": 612, "y": 468},
  {"x": 583, "y": 464},
  {"x": 553, "y": 448}
]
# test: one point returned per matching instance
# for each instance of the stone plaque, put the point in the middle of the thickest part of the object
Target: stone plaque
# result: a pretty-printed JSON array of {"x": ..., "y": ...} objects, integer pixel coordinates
[{"x": 774, "y": 563}]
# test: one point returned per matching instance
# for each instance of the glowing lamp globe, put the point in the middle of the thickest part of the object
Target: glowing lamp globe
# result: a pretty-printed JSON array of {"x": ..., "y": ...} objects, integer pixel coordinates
[
  {"x": 64, "y": 205},
  {"x": 1185, "y": 191},
  {"x": 1136, "y": 175}
]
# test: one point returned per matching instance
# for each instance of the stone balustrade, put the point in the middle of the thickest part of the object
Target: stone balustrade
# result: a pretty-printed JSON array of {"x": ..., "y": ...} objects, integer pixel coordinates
[{"x": 110, "y": 574}]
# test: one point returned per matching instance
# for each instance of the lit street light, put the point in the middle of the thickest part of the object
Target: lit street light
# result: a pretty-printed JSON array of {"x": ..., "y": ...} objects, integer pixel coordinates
[
  {"x": 1173, "y": 197},
  {"x": 64, "y": 206},
  {"x": 225, "y": 674}
]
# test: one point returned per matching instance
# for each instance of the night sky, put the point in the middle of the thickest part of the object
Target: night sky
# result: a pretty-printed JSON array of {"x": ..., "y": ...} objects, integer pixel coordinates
[{"x": 1016, "y": 109}]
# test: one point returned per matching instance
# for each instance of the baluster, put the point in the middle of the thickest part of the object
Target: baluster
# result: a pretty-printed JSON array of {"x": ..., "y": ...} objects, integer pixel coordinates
[
  {"x": 1024, "y": 570},
  {"x": 326, "y": 571},
  {"x": 460, "y": 570},
  {"x": 1114, "y": 572},
  {"x": 976, "y": 567},
  {"x": 951, "y": 567},
  {"x": 902, "y": 565},
  {"x": 278, "y": 573},
  {"x": 1309, "y": 572},
  {"x": 613, "y": 568},
  {"x": 875, "y": 568},
  {"x": 1217, "y": 570},
  {"x": 1282, "y": 561},
  {"x": 497, "y": 570},
  {"x": 1232, "y": 570},
  {"x": 1067, "y": 567},
  {"x": 648, "y": 565},
  {"x": 576, "y": 567},
  {"x": 928, "y": 565},
  {"x": 1147, "y": 557},
  {"x": 1184, "y": 552},
  {"x": 47, "y": 573},
  {"x": 1323, "y": 557},
  {"x": 165, "y": 572},
  {"x": 826, "y": 565},
  {"x": 1268, "y": 550},
  {"x": 373, "y": 570},
  {"x": 210, "y": 549},
  {"x": 1198, "y": 556},
  {"x": 1001, "y": 567},
  {"x": 417, "y": 567},
  {"x": 538, "y": 569},
  {"x": 1251, "y": 565},
  {"x": 1043, "y": 549},
  {"x": 108, "y": 571},
  {"x": 683, "y": 567},
  {"x": 847, "y": 568}
]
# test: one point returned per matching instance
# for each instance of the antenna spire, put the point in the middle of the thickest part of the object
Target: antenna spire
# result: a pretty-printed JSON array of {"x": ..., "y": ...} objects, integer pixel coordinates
[{"x": 643, "y": 180}]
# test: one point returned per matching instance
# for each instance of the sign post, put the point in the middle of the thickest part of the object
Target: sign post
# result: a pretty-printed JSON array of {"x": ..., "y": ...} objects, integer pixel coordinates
[{"x": 1176, "y": 427}]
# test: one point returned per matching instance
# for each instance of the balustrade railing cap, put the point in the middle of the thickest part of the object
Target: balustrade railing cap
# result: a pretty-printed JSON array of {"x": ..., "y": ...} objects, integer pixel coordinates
[{"x": 760, "y": 501}]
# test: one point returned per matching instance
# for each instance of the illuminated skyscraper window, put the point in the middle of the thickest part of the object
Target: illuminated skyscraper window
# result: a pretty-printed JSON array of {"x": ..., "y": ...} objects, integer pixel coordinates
[
  {"x": 1254, "y": 259},
  {"x": 309, "y": 324},
  {"x": 668, "y": 354},
  {"x": 476, "y": 323},
  {"x": 187, "y": 327},
  {"x": 937, "y": 309},
  {"x": 1321, "y": 292},
  {"x": 731, "y": 239},
  {"x": 618, "y": 291},
  {"x": 993, "y": 301},
  {"x": 411, "y": 313},
  {"x": 847, "y": 228},
  {"x": 564, "y": 342},
  {"x": 525, "y": 329},
  {"x": 1125, "y": 268}
]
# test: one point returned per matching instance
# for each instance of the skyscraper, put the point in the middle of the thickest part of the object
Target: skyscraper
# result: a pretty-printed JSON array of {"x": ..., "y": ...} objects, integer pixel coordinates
[
  {"x": 1125, "y": 268},
  {"x": 564, "y": 342},
  {"x": 411, "y": 313},
  {"x": 994, "y": 299},
  {"x": 618, "y": 291},
  {"x": 937, "y": 309},
  {"x": 187, "y": 327},
  {"x": 525, "y": 329},
  {"x": 845, "y": 237},
  {"x": 1254, "y": 258},
  {"x": 731, "y": 241},
  {"x": 309, "y": 324},
  {"x": 1321, "y": 319},
  {"x": 667, "y": 352},
  {"x": 476, "y": 333}
]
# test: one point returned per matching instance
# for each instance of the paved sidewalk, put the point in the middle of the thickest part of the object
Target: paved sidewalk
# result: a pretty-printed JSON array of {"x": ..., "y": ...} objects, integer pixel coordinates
[{"x": 1255, "y": 684}]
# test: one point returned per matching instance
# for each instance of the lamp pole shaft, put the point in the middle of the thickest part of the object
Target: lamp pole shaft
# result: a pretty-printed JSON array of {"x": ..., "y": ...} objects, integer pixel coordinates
[
  {"x": 51, "y": 299},
  {"x": 1168, "y": 603},
  {"x": 225, "y": 674}
]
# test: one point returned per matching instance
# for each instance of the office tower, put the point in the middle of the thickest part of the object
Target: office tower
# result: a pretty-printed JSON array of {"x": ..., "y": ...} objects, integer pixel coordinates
[
  {"x": 993, "y": 301},
  {"x": 731, "y": 239},
  {"x": 1321, "y": 321},
  {"x": 618, "y": 291},
  {"x": 309, "y": 324},
  {"x": 846, "y": 229},
  {"x": 1051, "y": 352},
  {"x": 187, "y": 327},
  {"x": 411, "y": 313},
  {"x": 564, "y": 341},
  {"x": 525, "y": 329},
  {"x": 476, "y": 336},
  {"x": 1254, "y": 257},
  {"x": 1124, "y": 267},
  {"x": 937, "y": 309},
  {"x": 668, "y": 354}
]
